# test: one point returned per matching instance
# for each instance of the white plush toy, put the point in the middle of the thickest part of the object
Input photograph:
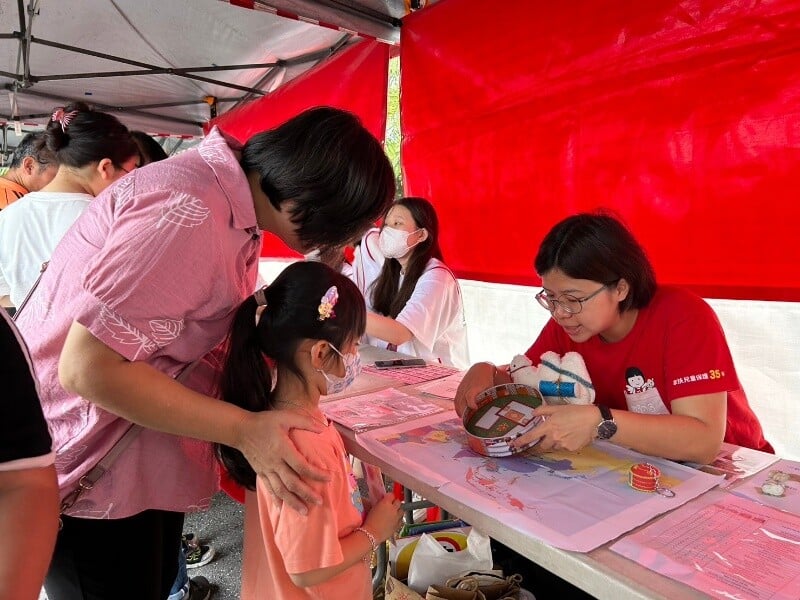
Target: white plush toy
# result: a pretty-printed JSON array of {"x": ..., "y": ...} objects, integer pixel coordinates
[{"x": 561, "y": 380}]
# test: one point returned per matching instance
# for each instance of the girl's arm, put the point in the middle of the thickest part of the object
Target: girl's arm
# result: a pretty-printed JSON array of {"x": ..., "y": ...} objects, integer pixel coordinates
[
  {"x": 355, "y": 547},
  {"x": 136, "y": 391},
  {"x": 381, "y": 522}
]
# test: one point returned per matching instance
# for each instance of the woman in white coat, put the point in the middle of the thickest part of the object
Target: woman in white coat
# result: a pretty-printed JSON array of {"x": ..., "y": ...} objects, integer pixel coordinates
[{"x": 414, "y": 301}]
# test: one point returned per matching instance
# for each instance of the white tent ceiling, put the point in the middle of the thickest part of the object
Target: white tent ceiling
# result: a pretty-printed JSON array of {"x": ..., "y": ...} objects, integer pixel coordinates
[{"x": 165, "y": 66}]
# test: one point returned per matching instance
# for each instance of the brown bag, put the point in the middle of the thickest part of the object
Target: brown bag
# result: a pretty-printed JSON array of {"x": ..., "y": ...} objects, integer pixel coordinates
[
  {"x": 491, "y": 586},
  {"x": 397, "y": 590},
  {"x": 443, "y": 592}
]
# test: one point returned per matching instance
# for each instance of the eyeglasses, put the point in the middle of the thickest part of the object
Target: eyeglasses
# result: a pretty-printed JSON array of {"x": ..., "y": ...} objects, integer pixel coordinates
[
  {"x": 568, "y": 303},
  {"x": 121, "y": 168}
]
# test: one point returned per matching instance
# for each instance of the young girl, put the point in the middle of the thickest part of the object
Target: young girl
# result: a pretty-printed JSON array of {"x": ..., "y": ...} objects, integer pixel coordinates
[
  {"x": 414, "y": 300},
  {"x": 309, "y": 326},
  {"x": 665, "y": 380}
]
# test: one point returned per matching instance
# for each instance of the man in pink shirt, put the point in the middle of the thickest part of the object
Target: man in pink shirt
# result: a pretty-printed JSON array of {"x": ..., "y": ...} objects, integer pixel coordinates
[{"x": 144, "y": 284}]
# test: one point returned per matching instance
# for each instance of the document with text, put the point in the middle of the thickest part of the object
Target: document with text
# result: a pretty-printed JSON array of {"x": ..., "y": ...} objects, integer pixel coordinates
[{"x": 725, "y": 546}]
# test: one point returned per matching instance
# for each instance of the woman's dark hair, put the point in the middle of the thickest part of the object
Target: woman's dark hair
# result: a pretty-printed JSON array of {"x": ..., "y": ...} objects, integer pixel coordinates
[
  {"x": 80, "y": 136},
  {"x": 149, "y": 149},
  {"x": 332, "y": 169},
  {"x": 600, "y": 248},
  {"x": 291, "y": 316},
  {"x": 388, "y": 297}
]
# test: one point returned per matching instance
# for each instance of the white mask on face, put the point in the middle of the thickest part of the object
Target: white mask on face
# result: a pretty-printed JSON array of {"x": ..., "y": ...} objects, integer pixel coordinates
[
  {"x": 352, "y": 369},
  {"x": 394, "y": 242}
]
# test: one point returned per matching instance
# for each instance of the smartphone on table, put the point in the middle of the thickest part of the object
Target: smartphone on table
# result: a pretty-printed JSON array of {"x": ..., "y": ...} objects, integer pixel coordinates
[{"x": 400, "y": 363}]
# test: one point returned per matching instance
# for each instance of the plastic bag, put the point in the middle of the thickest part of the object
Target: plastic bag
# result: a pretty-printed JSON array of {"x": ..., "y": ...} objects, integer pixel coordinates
[
  {"x": 431, "y": 564},
  {"x": 402, "y": 549}
]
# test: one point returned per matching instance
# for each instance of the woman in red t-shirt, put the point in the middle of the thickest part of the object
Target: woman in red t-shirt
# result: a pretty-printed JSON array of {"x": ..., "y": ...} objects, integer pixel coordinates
[{"x": 663, "y": 374}]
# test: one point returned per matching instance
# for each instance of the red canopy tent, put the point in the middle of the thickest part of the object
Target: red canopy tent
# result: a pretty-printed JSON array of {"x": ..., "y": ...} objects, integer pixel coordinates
[{"x": 680, "y": 117}]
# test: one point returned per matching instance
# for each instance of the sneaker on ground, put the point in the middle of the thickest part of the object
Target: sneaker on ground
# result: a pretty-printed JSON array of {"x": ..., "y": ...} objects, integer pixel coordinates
[
  {"x": 199, "y": 589},
  {"x": 197, "y": 554}
]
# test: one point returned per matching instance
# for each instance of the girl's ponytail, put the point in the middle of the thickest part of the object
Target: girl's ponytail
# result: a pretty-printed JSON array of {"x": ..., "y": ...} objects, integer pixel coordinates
[
  {"x": 245, "y": 381},
  {"x": 291, "y": 315}
]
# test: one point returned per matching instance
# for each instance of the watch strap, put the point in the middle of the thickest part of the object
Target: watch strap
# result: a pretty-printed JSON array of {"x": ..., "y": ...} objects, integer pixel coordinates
[{"x": 607, "y": 428}]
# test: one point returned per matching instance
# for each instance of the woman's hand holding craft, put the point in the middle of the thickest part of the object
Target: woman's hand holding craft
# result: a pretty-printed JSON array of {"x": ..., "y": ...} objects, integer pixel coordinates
[
  {"x": 479, "y": 377},
  {"x": 566, "y": 427}
]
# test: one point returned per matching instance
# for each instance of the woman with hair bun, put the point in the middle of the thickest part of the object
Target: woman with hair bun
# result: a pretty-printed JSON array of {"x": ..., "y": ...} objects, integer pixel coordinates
[{"x": 93, "y": 150}]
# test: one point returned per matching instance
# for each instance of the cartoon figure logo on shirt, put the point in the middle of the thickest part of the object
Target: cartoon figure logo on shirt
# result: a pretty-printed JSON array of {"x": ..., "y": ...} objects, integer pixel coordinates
[
  {"x": 636, "y": 381},
  {"x": 641, "y": 394}
]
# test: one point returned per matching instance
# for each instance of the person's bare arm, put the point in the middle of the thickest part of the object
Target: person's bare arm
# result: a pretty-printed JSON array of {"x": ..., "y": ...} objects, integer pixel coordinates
[
  {"x": 354, "y": 548},
  {"x": 28, "y": 527},
  {"x": 382, "y": 521},
  {"x": 5, "y": 301},
  {"x": 141, "y": 394},
  {"x": 694, "y": 431},
  {"x": 388, "y": 329}
]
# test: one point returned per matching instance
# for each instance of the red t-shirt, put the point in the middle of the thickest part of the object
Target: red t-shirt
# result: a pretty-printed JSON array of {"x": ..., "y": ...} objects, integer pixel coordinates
[{"x": 676, "y": 349}]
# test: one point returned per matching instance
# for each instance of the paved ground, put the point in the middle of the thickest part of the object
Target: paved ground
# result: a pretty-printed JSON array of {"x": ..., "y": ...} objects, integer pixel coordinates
[{"x": 221, "y": 526}]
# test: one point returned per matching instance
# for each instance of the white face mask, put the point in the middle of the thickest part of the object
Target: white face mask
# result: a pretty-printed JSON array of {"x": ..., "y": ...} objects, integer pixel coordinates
[
  {"x": 394, "y": 242},
  {"x": 352, "y": 369}
]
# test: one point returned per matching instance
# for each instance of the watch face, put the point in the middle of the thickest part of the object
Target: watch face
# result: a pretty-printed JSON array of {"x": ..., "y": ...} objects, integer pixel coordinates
[{"x": 606, "y": 430}]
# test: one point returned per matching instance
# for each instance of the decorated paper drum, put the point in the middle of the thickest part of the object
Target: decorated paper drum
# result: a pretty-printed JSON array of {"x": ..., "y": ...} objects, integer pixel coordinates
[{"x": 503, "y": 413}]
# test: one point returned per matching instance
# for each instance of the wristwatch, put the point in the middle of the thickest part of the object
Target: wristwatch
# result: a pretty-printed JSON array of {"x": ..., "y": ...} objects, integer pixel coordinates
[{"x": 608, "y": 426}]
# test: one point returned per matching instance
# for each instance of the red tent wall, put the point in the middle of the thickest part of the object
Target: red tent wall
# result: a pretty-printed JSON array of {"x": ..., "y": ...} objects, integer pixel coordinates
[
  {"x": 355, "y": 80},
  {"x": 682, "y": 117}
]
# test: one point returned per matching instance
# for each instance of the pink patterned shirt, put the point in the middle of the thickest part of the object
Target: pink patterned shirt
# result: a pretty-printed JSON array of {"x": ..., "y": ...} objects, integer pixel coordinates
[{"x": 154, "y": 269}]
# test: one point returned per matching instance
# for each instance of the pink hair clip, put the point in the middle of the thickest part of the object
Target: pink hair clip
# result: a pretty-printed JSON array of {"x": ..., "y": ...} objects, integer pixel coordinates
[
  {"x": 327, "y": 303},
  {"x": 63, "y": 118}
]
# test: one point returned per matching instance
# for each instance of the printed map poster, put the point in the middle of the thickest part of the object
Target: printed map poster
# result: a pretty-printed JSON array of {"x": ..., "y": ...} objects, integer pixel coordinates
[
  {"x": 574, "y": 501},
  {"x": 727, "y": 547},
  {"x": 378, "y": 409}
]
